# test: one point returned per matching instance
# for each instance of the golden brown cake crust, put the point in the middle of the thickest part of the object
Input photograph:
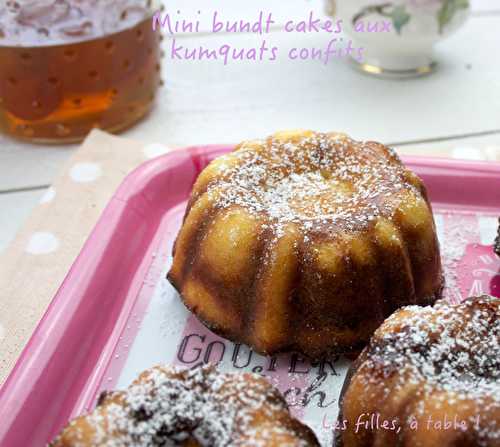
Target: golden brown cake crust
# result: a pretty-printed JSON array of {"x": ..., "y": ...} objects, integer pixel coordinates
[
  {"x": 305, "y": 241},
  {"x": 440, "y": 362},
  {"x": 167, "y": 406}
]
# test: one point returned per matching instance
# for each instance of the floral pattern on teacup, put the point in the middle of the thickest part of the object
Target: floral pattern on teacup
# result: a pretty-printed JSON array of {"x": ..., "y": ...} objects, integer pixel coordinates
[{"x": 401, "y": 13}]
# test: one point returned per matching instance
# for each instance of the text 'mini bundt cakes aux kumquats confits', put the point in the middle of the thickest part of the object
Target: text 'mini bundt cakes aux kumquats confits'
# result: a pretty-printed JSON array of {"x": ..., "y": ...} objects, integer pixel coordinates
[{"x": 306, "y": 242}]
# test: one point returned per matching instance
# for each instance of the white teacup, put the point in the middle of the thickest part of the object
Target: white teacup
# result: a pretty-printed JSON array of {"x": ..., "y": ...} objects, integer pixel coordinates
[{"x": 403, "y": 32}]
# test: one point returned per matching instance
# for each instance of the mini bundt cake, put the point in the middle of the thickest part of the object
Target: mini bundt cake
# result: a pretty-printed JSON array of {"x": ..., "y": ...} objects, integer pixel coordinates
[
  {"x": 305, "y": 242},
  {"x": 433, "y": 373},
  {"x": 167, "y": 406}
]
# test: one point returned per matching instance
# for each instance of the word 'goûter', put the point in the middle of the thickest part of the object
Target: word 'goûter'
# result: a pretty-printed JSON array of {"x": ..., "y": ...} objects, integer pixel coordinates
[{"x": 174, "y": 24}]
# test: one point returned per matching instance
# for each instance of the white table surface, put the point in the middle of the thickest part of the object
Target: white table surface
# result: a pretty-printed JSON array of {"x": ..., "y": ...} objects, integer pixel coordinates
[{"x": 207, "y": 102}]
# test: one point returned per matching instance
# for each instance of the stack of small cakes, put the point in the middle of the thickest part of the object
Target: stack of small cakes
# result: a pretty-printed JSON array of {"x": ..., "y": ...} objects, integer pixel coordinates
[{"x": 316, "y": 243}]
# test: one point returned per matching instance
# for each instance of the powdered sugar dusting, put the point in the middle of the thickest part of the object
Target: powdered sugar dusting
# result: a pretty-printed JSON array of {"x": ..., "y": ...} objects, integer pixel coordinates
[
  {"x": 167, "y": 406},
  {"x": 447, "y": 350},
  {"x": 320, "y": 180},
  {"x": 458, "y": 234}
]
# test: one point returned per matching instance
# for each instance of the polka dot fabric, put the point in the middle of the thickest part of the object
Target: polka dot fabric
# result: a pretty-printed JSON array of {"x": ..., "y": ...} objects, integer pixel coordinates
[
  {"x": 85, "y": 172},
  {"x": 42, "y": 242},
  {"x": 43, "y": 251}
]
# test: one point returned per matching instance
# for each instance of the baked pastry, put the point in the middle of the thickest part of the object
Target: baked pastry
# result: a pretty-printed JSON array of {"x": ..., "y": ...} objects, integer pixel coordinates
[
  {"x": 166, "y": 406},
  {"x": 305, "y": 241},
  {"x": 433, "y": 373},
  {"x": 496, "y": 245}
]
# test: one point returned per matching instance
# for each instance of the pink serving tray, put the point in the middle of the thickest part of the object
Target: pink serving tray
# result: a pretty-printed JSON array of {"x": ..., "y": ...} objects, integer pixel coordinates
[{"x": 62, "y": 367}]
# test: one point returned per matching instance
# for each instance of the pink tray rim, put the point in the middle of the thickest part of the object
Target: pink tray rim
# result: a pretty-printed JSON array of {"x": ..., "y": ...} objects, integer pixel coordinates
[{"x": 18, "y": 386}]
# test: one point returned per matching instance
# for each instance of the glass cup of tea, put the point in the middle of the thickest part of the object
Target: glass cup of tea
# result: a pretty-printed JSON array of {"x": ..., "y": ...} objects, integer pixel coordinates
[{"x": 68, "y": 66}]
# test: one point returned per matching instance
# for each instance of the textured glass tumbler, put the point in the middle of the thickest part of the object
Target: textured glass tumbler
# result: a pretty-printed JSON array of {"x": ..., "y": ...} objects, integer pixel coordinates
[{"x": 58, "y": 93}]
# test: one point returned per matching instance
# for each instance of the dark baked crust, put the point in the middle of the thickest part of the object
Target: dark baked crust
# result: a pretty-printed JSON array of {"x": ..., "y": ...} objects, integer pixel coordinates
[
  {"x": 306, "y": 242},
  {"x": 445, "y": 359},
  {"x": 337, "y": 434},
  {"x": 198, "y": 407}
]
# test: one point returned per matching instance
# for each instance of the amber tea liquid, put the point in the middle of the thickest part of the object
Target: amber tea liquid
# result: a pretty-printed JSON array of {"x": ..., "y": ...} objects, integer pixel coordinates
[{"x": 58, "y": 92}]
